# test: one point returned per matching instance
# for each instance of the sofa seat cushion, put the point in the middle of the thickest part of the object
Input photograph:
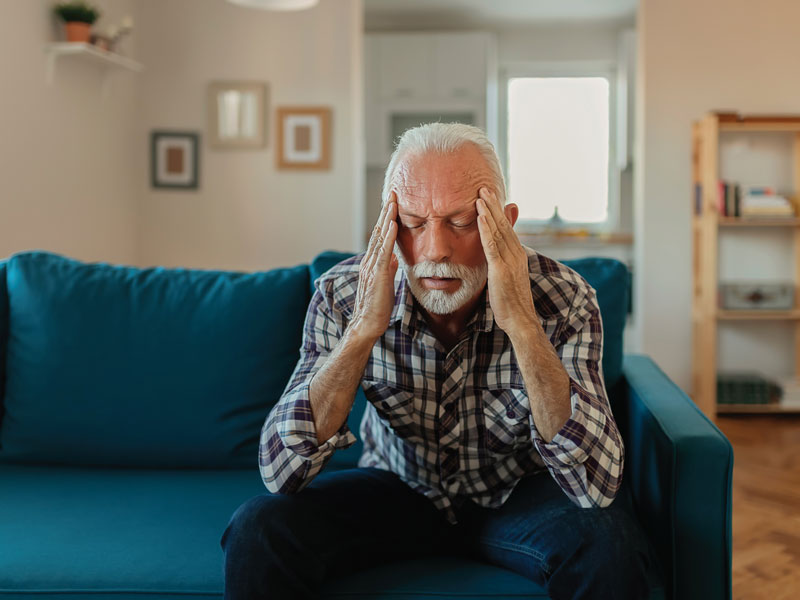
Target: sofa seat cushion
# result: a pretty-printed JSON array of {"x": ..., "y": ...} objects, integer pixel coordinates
[
  {"x": 147, "y": 533},
  {"x": 116, "y": 532},
  {"x": 122, "y": 366}
]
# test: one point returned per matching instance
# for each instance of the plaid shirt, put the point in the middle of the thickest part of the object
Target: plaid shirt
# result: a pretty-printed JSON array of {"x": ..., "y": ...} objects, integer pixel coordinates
[{"x": 454, "y": 425}]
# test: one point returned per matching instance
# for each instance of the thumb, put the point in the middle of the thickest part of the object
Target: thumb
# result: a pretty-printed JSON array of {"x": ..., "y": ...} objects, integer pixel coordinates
[{"x": 393, "y": 264}]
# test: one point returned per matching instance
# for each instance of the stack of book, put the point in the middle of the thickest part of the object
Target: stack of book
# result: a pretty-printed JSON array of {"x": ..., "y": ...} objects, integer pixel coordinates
[
  {"x": 764, "y": 202},
  {"x": 790, "y": 387},
  {"x": 755, "y": 202},
  {"x": 747, "y": 388},
  {"x": 730, "y": 195}
]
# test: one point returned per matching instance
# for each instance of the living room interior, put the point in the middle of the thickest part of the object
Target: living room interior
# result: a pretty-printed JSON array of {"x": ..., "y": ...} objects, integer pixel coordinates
[{"x": 192, "y": 163}]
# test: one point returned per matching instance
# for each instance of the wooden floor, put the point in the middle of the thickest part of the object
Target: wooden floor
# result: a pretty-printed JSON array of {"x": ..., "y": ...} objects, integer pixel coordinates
[{"x": 766, "y": 505}]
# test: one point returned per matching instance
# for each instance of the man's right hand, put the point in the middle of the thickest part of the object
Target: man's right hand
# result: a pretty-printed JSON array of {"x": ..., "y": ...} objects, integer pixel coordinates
[{"x": 375, "y": 295}]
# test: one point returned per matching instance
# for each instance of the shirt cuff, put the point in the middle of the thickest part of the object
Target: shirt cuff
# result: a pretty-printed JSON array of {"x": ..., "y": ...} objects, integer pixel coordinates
[
  {"x": 574, "y": 441},
  {"x": 295, "y": 425}
]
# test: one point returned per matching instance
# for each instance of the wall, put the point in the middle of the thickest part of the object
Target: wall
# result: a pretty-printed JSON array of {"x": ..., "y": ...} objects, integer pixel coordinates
[
  {"x": 695, "y": 57},
  {"x": 246, "y": 214},
  {"x": 65, "y": 152}
]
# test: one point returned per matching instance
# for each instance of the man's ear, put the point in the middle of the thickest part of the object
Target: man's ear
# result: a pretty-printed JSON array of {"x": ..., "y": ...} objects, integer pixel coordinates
[{"x": 512, "y": 213}]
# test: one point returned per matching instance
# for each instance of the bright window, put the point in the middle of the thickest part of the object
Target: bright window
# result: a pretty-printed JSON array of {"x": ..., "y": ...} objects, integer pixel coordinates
[{"x": 558, "y": 147}]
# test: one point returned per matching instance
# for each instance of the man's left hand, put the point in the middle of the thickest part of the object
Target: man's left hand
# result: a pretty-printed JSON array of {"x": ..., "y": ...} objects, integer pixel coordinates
[{"x": 509, "y": 283}]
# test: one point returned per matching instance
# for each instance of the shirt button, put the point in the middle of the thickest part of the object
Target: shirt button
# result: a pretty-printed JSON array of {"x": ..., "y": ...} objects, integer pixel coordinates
[{"x": 511, "y": 414}]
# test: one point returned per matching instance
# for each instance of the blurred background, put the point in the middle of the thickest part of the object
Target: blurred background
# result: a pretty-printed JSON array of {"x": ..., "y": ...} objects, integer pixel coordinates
[{"x": 151, "y": 155}]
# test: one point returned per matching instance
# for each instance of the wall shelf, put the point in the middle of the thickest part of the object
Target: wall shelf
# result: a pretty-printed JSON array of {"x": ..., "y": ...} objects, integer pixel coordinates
[
  {"x": 574, "y": 238},
  {"x": 109, "y": 61},
  {"x": 758, "y": 408},
  {"x": 756, "y": 315},
  {"x": 757, "y": 222}
]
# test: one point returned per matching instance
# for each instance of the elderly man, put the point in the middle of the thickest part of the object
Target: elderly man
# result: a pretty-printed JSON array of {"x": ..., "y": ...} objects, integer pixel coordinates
[{"x": 488, "y": 431}]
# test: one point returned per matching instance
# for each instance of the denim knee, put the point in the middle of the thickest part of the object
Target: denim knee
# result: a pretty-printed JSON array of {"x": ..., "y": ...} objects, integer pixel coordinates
[
  {"x": 249, "y": 518},
  {"x": 606, "y": 557},
  {"x": 263, "y": 557}
]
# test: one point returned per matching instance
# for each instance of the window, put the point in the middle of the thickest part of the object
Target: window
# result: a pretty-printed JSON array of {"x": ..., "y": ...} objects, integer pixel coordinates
[{"x": 557, "y": 148}]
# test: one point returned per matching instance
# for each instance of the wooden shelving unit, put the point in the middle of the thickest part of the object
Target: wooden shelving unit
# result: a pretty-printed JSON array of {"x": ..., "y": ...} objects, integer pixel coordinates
[{"x": 706, "y": 314}]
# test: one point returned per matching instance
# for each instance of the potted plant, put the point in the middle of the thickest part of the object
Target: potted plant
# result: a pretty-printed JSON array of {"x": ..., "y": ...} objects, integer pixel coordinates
[{"x": 78, "y": 17}]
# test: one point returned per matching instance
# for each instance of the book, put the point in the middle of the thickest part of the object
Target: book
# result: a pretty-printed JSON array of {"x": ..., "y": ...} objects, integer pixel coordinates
[{"x": 747, "y": 387}]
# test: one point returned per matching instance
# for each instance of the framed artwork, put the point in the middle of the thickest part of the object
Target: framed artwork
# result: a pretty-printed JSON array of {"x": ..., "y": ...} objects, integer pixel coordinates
[
  {"x": 304, "y": 137},
  {"x": 236, "y": 114},
  {"x": 174, "y": 162}
]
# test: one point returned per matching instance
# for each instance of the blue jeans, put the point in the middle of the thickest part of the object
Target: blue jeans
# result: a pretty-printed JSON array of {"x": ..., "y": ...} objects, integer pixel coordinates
[{"x": 287, "y": 546}]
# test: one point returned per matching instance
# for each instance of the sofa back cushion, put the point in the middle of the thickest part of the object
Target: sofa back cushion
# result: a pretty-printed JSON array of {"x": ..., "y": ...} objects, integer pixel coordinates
[
  {"x": 156, "y": 367},
  {"x": 3, "y": 333},
  {"x": 609, "y": 277}
]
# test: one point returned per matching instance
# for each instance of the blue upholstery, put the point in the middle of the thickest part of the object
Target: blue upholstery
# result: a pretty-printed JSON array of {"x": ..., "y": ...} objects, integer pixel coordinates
[
  {"x": 680, "y": 469},
  {"x": 113, "y": 365},
  {"x": 144, "y": 530},
  {"x": 3, "y": 334}
]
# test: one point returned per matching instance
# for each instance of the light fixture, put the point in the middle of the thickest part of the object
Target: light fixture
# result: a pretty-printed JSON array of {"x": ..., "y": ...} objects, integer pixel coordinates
[{"x": 276, "y": 4}]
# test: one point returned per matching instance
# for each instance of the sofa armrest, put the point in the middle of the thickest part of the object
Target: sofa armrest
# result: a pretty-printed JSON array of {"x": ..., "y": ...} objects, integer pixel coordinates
[{"x": 680, "y": 471}]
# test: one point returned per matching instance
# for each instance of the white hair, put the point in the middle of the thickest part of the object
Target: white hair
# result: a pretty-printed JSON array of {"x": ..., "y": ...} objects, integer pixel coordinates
[{"x": 443, "y": 138}]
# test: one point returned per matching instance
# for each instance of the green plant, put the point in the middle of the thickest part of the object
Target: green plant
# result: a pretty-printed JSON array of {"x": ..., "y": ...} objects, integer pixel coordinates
[{"x": 76, "y": 11}]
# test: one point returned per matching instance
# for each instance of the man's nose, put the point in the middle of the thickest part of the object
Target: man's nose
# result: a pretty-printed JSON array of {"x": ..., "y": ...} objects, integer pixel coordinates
[{"x": 437, "y": 242}]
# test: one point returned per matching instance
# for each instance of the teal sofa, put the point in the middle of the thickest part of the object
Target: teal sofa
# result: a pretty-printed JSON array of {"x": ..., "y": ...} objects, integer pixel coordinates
[{"x": 131, "y": 405}]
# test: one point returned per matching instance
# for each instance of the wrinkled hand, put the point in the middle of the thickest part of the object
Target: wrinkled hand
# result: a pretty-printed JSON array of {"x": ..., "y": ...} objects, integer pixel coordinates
[
  {"x": 509, "y": 283},
  {"x": 375, "y": 295}
]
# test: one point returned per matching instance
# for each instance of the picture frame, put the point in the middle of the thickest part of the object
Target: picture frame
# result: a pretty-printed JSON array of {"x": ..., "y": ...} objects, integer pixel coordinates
[
  {"x": 174, "y": 159},
  {"x": 304, "y": 137},
  {"x": 237, "y": 114}
]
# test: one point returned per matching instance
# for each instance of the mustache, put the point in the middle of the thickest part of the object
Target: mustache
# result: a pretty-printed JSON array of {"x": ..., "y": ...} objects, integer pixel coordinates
[{"x": 442, "y": 269}]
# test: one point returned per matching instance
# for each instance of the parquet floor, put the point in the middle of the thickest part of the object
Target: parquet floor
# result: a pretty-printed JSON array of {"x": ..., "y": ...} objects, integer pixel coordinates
[{"x": 766, "y": 505}]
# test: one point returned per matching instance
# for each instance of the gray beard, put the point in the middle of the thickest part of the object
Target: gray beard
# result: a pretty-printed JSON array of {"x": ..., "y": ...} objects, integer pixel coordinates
[{"x": 440, "y": 302}]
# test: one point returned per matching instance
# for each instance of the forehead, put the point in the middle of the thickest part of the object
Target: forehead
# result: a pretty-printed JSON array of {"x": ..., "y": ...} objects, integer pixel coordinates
[{"x": 434, "y": 183}]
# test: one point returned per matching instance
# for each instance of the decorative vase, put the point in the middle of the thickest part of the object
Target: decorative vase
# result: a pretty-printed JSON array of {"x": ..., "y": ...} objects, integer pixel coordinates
[{"x": 77, "y": 31}]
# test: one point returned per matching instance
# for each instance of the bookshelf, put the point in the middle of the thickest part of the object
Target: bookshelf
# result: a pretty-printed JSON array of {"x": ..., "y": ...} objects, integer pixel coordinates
[{"x": 709, "y": 226}]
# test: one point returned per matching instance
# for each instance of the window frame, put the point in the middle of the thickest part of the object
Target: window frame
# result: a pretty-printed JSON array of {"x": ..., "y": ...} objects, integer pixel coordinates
[{"x": 600, "y": 68}]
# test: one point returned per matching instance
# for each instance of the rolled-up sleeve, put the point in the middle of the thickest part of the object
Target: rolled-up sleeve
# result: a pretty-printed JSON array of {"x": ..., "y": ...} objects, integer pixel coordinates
[
  {"x": 289, "y": 454},
  {"x": 586, "y": 456}
]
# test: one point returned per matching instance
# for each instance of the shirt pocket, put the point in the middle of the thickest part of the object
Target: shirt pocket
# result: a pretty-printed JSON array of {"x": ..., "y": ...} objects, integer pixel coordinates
[
  {"x": 395, "y": 406},
  {"x": 506, "y": 420}
]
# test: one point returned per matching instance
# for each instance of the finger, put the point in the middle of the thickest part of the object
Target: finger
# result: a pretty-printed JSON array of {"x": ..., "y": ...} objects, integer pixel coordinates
[
  {"x": 378, "y": 230},
  {"x": 501, "y": 221},
  {"x": 383, "y": 236},
  {"x": 491, "y": 225},
  {"x": 488, "y": 241},
  {"x": 385, "y": 253},
  {"x": 493, "y": 204},
  {"x": 381, "y": 221}
]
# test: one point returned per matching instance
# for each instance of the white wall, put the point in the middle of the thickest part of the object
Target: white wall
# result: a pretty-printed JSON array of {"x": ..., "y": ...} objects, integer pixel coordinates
[
  {"x": 246, "y": 214},
  {"x": 579, "y": 42},
  {"x": 695, "y": 57},
  {"x": 66, "y": 182},
  {"x": 74, "y": 168}
]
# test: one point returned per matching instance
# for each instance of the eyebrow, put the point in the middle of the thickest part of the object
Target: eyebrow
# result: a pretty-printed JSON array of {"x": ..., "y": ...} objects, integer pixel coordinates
[{"x": 453, "y": 214}]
